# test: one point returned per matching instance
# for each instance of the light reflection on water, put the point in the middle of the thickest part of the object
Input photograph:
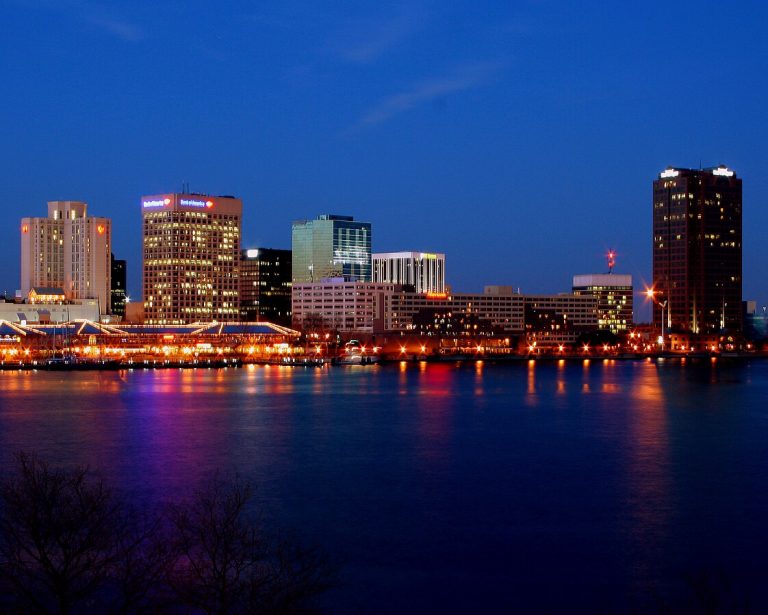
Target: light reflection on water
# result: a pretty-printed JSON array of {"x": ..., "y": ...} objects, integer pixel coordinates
[{"x": 444, "y": 486}]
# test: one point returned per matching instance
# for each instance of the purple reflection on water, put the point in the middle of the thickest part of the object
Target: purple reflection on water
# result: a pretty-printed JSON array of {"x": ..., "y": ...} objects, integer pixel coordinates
[{"x": 444, "y": 487}]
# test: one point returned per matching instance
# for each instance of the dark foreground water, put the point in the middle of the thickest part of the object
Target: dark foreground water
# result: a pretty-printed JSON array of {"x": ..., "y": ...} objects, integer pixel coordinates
[{"x": 446, "y": 488}]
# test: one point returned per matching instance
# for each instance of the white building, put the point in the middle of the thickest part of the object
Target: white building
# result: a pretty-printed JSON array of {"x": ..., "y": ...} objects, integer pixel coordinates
[
  {"x": 70, "y": 250},
  {"x": 425, "y": 271},
  {"x": 40, "y": 313}
]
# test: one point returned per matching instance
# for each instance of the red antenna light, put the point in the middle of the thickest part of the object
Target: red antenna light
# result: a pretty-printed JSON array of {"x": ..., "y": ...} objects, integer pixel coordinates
[{"x": 611, "y": 260}]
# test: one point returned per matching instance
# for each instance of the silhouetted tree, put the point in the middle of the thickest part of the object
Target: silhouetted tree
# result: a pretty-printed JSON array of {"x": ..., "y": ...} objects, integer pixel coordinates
[
  {"x": 68, "y": 544},
  {"x": 226, "y": 563}
]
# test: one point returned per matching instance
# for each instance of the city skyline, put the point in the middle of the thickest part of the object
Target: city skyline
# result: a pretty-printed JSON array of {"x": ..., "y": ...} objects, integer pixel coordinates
[
  {"x": 643, "y": 307},
  {"x": 504, "y": 152}
]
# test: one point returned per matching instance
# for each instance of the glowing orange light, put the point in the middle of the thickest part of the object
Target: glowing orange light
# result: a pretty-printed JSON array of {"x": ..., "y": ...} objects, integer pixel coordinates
[
  {"x": 402, "y": 349},
  {"x": 209, "y": 203},
  {"x": 25, "y": 229},
  {"x": 167, "y": 201},
  {"x": 100, "y": 229},
  {"x": 434, "y": 295}
]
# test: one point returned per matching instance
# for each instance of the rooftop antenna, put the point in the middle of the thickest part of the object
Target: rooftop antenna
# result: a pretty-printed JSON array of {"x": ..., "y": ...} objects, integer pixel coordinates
[{"x": 611, "y": 256}]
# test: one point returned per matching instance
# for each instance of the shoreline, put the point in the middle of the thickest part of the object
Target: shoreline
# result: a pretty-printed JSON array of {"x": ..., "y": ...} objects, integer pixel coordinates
[{"x": 322, "y": 362}]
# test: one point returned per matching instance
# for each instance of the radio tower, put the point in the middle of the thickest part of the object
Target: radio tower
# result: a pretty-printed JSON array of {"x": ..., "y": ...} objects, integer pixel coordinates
[{"x": 611, "y": 260}]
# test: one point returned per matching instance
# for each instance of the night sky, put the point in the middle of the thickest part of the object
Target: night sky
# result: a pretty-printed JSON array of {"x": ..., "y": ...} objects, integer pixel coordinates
[{"x": 520, "y": 138}]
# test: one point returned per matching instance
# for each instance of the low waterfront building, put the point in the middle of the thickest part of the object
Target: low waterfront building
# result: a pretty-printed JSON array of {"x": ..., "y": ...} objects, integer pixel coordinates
[
  {"x": 44, "y": 312},
  {"x": 378, "y": 308},
  {"x": 143, "y": 344},
  {"x": 337, "y": 305},
  {"x": 556, "y": 320}
]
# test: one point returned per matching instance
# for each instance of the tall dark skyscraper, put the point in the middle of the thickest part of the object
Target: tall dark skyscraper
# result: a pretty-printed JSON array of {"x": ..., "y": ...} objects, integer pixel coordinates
[
  {"x": 118, "y": 292},
  {"x": 265, "y": 286},
  {"x": 697, "y": 249}
]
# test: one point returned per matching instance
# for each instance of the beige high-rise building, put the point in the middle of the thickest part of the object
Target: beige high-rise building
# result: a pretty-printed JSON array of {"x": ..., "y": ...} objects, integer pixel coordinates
[
  {"x": 191, "y": 258},
  {"x": 69, "y": 250}
]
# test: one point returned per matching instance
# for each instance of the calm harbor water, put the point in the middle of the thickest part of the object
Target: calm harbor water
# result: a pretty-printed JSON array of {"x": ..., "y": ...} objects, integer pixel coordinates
[{"x": 532, "y": 487}]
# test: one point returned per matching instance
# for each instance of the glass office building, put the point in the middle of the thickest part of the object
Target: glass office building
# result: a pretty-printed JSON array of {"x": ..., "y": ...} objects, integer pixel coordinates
[{"x": 331, "y": 246}]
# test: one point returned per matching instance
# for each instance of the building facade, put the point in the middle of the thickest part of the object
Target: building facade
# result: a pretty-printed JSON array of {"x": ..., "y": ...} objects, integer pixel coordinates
[
  {"x": 41, "y": 312},
  {"x": 118, "y": 293},
  {"x": 697, "y": 249},
  {"x": 376, "y": 307},
  {"x": 339, "y": 305},
  {"x": 331, "y": 247},
  {"x": 69, "y": 249},
  {"x": 614, "y": 296},
  {"x": 425, "y": 271},
  {"x": 265, "y": 285},
  {"x": 191, "y": 258}
]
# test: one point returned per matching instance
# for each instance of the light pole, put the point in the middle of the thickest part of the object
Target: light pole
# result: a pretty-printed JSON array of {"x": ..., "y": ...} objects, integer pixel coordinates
[{"x": 651, "y": 293}]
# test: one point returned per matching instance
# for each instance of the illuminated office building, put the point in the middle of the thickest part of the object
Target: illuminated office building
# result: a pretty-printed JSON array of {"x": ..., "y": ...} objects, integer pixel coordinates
[
  {"x": 69, "y": 250},
  {"x": 265, "y": 286},
  {"x": 614, "y": 298},
  {"x": 331, "y": 247},
  {"x": 191, "y": 258},
  {"x": 424, "y": 271},
  {"x": 697, "y": 249}
]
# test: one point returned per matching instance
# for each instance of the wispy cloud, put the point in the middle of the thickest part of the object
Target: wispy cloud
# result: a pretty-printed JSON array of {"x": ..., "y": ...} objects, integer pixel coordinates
[
  {"x": 364, "y": 41},
  {"x": 95, "y": 14},
  {"x": 463, "y": 78},
  {"x": 120, "y": 28}
]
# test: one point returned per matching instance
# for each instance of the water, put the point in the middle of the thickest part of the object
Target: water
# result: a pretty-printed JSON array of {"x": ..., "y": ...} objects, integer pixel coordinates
[{"x": 531, "y": 487}]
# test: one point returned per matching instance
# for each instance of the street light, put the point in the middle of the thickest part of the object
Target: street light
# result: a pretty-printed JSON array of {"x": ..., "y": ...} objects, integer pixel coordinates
[{"x": 652, "y": 295}]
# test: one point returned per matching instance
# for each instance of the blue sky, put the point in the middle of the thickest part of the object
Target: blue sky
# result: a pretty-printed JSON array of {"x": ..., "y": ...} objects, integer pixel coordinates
[{"x": 521, "y": 138}]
